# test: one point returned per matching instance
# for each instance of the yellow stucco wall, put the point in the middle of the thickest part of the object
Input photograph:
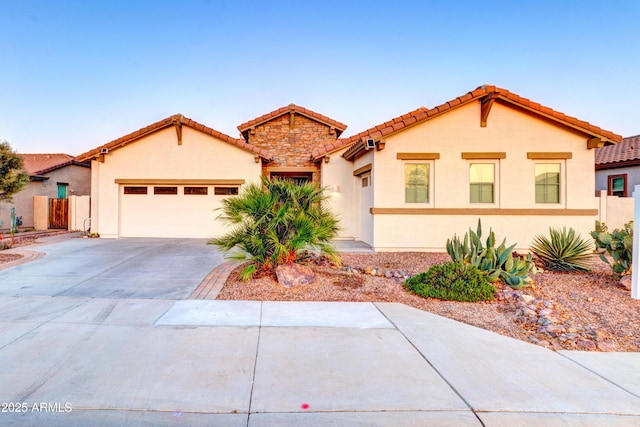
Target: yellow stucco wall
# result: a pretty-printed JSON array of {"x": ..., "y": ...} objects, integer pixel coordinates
[
  {"x": 158, "y": 156},
  {"x": 509, "y": 131},
  {"x": 451, "y": 134},
  {"x": 338, "y": 175}
]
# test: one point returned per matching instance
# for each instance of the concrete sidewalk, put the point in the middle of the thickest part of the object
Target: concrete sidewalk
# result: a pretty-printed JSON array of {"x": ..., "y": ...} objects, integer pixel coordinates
[{"x": 224, "y": 363}]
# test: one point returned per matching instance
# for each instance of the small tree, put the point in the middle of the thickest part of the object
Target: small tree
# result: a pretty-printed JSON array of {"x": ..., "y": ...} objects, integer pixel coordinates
[
  {"x": 273, "y": 221},
  {"x": 13, "y": 177}
]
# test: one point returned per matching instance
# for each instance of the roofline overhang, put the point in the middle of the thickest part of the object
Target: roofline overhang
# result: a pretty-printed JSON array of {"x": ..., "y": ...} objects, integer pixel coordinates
[
  {"x": 176, "y": 121},
  {"x": 582, "y": 129},
  {"x": 617, "y": 165},
  {"x": 244, "y": 128},
  {"x": 390, "y": 128}
]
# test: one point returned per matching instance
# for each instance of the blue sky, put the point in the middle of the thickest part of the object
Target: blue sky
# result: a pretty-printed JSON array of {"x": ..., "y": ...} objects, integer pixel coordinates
[{"x": 78, "y": 74}]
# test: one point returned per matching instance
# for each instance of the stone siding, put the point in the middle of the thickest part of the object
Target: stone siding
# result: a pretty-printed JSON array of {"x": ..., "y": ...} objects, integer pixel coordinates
[{"x": 292, "y": 145}]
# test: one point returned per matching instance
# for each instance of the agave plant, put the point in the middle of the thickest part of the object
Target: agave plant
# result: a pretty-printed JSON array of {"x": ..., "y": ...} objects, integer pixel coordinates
[
  {"x": 565, "y": 251},
  {"x": 496, "y": 263}
]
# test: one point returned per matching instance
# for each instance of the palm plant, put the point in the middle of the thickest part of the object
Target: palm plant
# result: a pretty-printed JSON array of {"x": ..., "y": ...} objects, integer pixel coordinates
[
  {"x": 566, "y": 251},
  {"x": 273, "y": 221}
]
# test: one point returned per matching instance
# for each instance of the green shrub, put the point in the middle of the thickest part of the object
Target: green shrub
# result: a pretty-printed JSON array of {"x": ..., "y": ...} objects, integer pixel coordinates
[
  {"x": 452, "y": 281},
  {"x": 275, "y": 220},
  {"x": 566, "y": 251},
  {"x": 495, "y": 263},
  {"x": 618, "y": 244}
]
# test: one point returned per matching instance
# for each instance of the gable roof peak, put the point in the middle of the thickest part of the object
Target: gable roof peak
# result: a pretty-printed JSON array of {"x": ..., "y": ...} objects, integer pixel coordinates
[
  {"x": 174, "y": 120},
  {"x": 340, "y": 127},
  {"x": 481, "y": 93}
]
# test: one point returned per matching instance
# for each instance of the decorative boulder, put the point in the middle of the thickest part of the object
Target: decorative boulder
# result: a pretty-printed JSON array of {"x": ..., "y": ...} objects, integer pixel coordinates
[
  {"x": 625, "y": 282},
  {"x": 292, "y": 275}
]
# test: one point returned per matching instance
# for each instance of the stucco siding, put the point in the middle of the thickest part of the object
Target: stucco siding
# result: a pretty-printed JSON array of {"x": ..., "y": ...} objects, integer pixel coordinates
[
  {"x": 633, "y": 177},
  {"x": 78, "y": 178},
  {"x": 509, "y": 132},
  {"x": 337, "y": 175},
  {"x": 160, "y": 157},
  {"x": 430, "y": 232}
]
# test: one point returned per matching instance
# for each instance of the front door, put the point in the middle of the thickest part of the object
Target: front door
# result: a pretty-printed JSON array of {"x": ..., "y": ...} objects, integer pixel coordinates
[{"x": 365, "y": 219}]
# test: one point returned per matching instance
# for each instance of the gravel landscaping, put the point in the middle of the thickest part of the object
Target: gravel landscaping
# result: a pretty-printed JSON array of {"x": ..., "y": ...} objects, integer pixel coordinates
[
  {"x": 9, "y": 257},
  {"x": 584, "y": 311}
]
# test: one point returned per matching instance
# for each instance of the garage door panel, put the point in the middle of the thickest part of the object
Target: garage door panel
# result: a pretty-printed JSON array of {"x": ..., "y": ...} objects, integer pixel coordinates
[{"x": 170, "y": 215}]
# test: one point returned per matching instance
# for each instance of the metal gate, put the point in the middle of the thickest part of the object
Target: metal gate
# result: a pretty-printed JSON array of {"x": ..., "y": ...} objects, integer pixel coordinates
[{"x": 59, "y": 213}]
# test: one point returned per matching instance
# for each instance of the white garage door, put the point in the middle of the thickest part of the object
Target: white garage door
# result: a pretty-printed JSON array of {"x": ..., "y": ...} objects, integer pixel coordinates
[{"x": 172, "y": 210}]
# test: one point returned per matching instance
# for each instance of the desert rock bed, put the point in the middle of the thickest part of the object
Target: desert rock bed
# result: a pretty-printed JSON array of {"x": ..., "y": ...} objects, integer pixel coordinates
[
  {"x": 577, "y": 311},
  {"x": 9, "y": 257}
]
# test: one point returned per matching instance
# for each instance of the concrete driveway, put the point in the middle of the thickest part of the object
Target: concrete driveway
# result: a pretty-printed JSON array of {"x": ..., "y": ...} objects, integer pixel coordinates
[
  {"x": 93, "y": 334},
  {"x": 118, "y": 268}
]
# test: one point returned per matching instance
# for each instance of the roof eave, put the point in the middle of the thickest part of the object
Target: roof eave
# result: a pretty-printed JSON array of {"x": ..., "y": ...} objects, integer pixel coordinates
[
  {"x": 245, "y": 127},
  {"x": 606, "y": 139},
  {"x": 175, "y": 120}
]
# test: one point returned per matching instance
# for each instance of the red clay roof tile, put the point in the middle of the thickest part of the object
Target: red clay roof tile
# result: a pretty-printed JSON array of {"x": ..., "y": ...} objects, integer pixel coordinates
[
  {"x": 423, "y": 114},
  {"x": 38, "y": 164},
  {"x": 410, "y": 120},
  {"x": 340, "y": 127},
  {"x": 626, "y": 150},
  {"x": 169, "y": 121}
]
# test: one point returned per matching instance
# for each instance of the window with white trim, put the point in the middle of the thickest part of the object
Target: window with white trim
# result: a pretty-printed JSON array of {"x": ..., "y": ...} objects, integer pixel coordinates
[
  {"x": 482, "y": 182},
  {"x": 416, "y": 182},
  {"x": 547, "y": 182}
]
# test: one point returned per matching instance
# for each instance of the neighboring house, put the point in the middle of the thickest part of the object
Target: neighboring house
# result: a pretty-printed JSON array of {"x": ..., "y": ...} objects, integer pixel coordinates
[
  {"x": 408, "y": 184},
  {"x": 51, "y": 175},
  {"x": 618, "y": 167}
]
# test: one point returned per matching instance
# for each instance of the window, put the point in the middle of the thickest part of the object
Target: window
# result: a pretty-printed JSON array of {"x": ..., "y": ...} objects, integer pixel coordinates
[
  {"x": 618, "y": 185},
  {"x": 547, "y": 182},
  {"x": 416, "y": 183},
  {"x": 481, "y": 179},
  {"x": 225, "y": 191},
  {"x": 199, "y": 191},
  {"x": 165, "y": 190},
  {"x": 298, "y": 178},
  {"x": 62, "y": 191},
  {"x": 365, "y": 181},
  {"x": 135, "y": 190}
]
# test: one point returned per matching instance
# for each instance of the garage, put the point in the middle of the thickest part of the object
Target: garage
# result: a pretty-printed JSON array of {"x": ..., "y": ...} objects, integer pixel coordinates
[{"x": 173, "y": 209}]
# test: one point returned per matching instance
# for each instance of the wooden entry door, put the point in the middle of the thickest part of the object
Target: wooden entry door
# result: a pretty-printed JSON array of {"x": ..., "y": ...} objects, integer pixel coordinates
[{"x": 59, "y": 213}]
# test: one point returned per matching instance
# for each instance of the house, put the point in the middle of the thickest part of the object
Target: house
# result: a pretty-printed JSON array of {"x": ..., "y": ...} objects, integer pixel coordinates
[
  {"x": 618, "y": 167},
  {"x": 51, "y": 175},
  {"x": 406, "y": 184}
]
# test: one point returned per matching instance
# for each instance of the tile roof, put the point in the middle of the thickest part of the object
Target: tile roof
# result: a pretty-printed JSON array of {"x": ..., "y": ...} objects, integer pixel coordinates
[
  {"x": 340, "y": 127},
  {"x": 38, "y": 164},
  {"x": 170, "y": 121},
  {"x": 423, "y": 114},
  {"x": 626, "y": 150}
]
